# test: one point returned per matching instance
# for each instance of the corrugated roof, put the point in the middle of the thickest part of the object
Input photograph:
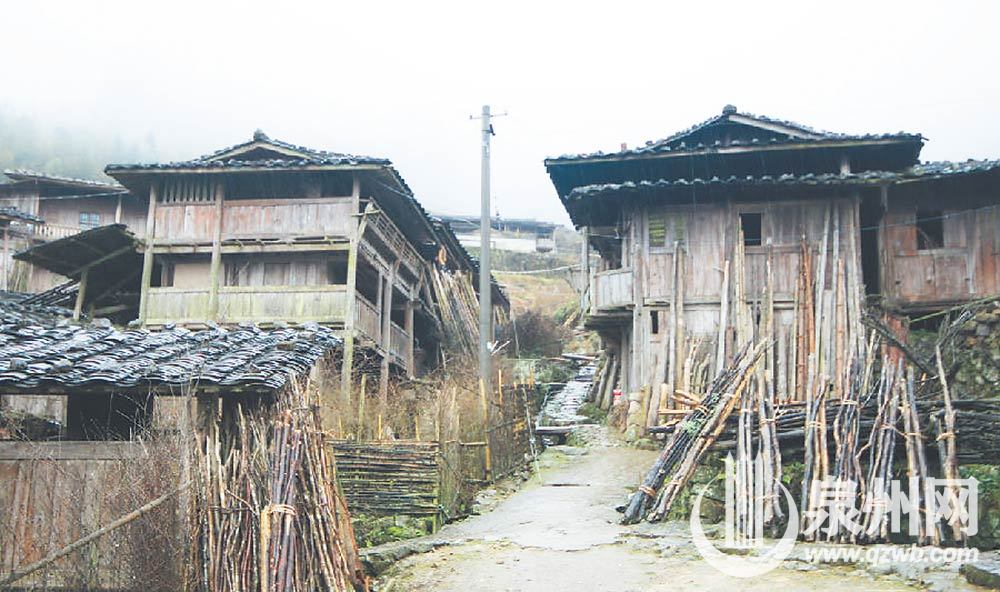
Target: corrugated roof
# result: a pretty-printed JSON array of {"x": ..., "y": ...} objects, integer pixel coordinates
[
  {"x": 930, "y": 170},
  {"x": 38, "y": 353}
]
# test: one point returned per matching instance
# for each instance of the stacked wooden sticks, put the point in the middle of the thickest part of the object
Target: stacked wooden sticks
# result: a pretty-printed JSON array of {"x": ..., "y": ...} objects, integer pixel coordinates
[
  {"x": 458, "y": 306},
  {"x": 272, "y": 518},
  {"x": 691, "y": 440}
]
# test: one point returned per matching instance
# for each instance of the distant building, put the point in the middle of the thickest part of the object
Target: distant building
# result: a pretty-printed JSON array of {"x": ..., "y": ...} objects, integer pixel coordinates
[
  {"x": 66, "y": 206},
  {"x": 511, "y": 234}
]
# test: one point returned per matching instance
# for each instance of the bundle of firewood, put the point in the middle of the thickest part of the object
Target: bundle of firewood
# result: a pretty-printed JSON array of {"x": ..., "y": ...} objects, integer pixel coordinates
[
  {"x": 692, "y": 438},
  {"x": 271, "y": 518}
]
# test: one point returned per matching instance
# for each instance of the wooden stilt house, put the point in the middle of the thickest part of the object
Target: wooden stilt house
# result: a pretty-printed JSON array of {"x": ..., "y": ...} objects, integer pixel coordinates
[{"x": 745, "y": 226}]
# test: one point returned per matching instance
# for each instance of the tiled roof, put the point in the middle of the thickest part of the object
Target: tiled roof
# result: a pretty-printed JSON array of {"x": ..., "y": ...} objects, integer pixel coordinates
[
  {"x": 930, "y": 170},
  {"x": 39, "y": 353},
  {"x": 28, "y": 175},
  {"x": 303, "y": 157},
  {"x": 273, "y": 163},
  {"x": 675, "y": 143},
  {"x": 10, "y": 212}
]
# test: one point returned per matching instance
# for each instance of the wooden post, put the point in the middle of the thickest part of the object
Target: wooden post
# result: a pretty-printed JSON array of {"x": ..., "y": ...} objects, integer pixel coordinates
[
  {"x": 213, "y": 295},
  {"x": 347, "y": 363},
  {"x": 359, "y": 433},
  {"x": 390, "y": 280},
  {"x": 81, "y": 294},
  {"x": 585, "y": 295},
  {"x": 147, "y": 256},
  {"x": 411, "y": 370},
  {"x": 6, "y": 256},
  {"x": 118, "y": 211}
]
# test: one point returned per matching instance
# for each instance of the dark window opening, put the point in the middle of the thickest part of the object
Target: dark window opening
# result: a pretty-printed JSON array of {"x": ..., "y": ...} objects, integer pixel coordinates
[
  {"x": 163, "y": 275},
  {"x": 930, "y": 229},
  {"x": 752, "y": 227},
  {"x": 871, "y": 216},
  {"x": 107, "y": 416},
  {"x": 237, "y": 273},
  {"x": 654, "y": 316},
  {"x": 336, "y": 271},
  {"x": 398, "y": 313}
]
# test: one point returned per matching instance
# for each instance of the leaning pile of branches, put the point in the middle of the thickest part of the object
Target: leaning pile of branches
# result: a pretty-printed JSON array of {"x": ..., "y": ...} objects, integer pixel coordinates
[
  {"x": 271, "y": 518},
  {"x": 692, "y": 438},
  {"x": 458, "y": 306}
]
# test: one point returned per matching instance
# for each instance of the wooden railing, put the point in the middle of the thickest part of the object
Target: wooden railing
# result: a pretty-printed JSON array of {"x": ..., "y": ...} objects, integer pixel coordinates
[
  {"x": 55, "y": 231},
  {"x": 399, "y": 343},
  {"x": 292, "y": 304},
  {"x": 612, "y": 288},
  {"x": 367, "y": 319},
  {"x": 258, "y": 304}
]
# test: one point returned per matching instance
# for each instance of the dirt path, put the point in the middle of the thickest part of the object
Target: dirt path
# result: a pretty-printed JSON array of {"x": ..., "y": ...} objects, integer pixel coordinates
[{"x": 563, "y": 535}]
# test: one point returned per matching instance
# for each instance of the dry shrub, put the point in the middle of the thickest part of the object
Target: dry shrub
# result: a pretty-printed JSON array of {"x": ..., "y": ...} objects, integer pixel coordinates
[{"x": 534, "y": 334}]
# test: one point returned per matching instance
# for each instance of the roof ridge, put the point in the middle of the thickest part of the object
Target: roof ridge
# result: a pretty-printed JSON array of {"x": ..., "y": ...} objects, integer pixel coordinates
[
  {"x": 665, "y": 144},
  {"x": 259, "y": 137}
]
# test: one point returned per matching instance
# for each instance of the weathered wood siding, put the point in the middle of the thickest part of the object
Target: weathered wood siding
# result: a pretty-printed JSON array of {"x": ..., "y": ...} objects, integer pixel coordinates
[
  {"x": 707, "y": 236},
  {"x": 612, "y": 289},
  {"x": 259, "y": 304},
  {"x": 254, "y": 219},
  {"x": 56, "y": 492},
  {"x": 180, "y": 223},
  {"x": 965, "y": 267},
  {"x": 329, "y": 216}
]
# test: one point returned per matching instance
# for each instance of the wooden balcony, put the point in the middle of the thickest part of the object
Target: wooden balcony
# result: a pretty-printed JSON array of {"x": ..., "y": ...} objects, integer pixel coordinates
[
  {"x": 399, "y": 344},
  {"x": 367, "y": 319},
  {"x": 612, "y": 289},
  {"x": 257, "y": 304},
  {"x": 274, "y": 304}
]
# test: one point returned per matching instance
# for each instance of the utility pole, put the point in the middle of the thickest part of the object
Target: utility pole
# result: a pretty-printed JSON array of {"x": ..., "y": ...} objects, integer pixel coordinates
[{"x": 485, "y": 289}]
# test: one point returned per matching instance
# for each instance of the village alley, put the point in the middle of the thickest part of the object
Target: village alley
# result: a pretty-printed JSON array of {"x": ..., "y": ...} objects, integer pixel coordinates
[{"x": 562, "y": 534}]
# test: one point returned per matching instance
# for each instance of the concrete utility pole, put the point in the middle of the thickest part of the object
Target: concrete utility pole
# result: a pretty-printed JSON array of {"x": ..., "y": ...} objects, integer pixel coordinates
[{"x": 485, "y": 289}]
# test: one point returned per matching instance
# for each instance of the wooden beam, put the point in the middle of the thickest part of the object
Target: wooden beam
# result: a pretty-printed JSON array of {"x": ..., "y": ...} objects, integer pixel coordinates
[
  {"x": 147, "y": 258},
  {"x": 6, "y": 258},
  {"x": 342, "y": 244},
  {"x": 100, "y": 260},
  {"x": 347, "y": 363},
  {"x": 387, "y": 290},
  {"x": 216, "y": 264},
  {"x": 408, "y": 327},
  {"x": 81, "y": 294}
]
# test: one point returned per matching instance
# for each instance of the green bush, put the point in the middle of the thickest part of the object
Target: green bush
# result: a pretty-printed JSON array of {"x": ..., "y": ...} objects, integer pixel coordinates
[{"x": 371, "y": 531}]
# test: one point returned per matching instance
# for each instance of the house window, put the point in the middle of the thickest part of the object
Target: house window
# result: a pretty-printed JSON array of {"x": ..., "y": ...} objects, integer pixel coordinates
[
  {"x": 751, "y": 224},
  {"x": 930, "y": 229},
  {"x": 90, "y": 219},
  {"x": 655, "y": 318}
]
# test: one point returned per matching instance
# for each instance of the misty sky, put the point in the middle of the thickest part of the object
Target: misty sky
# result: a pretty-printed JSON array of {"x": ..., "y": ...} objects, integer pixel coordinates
[{"x": 400, "y": 79}]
